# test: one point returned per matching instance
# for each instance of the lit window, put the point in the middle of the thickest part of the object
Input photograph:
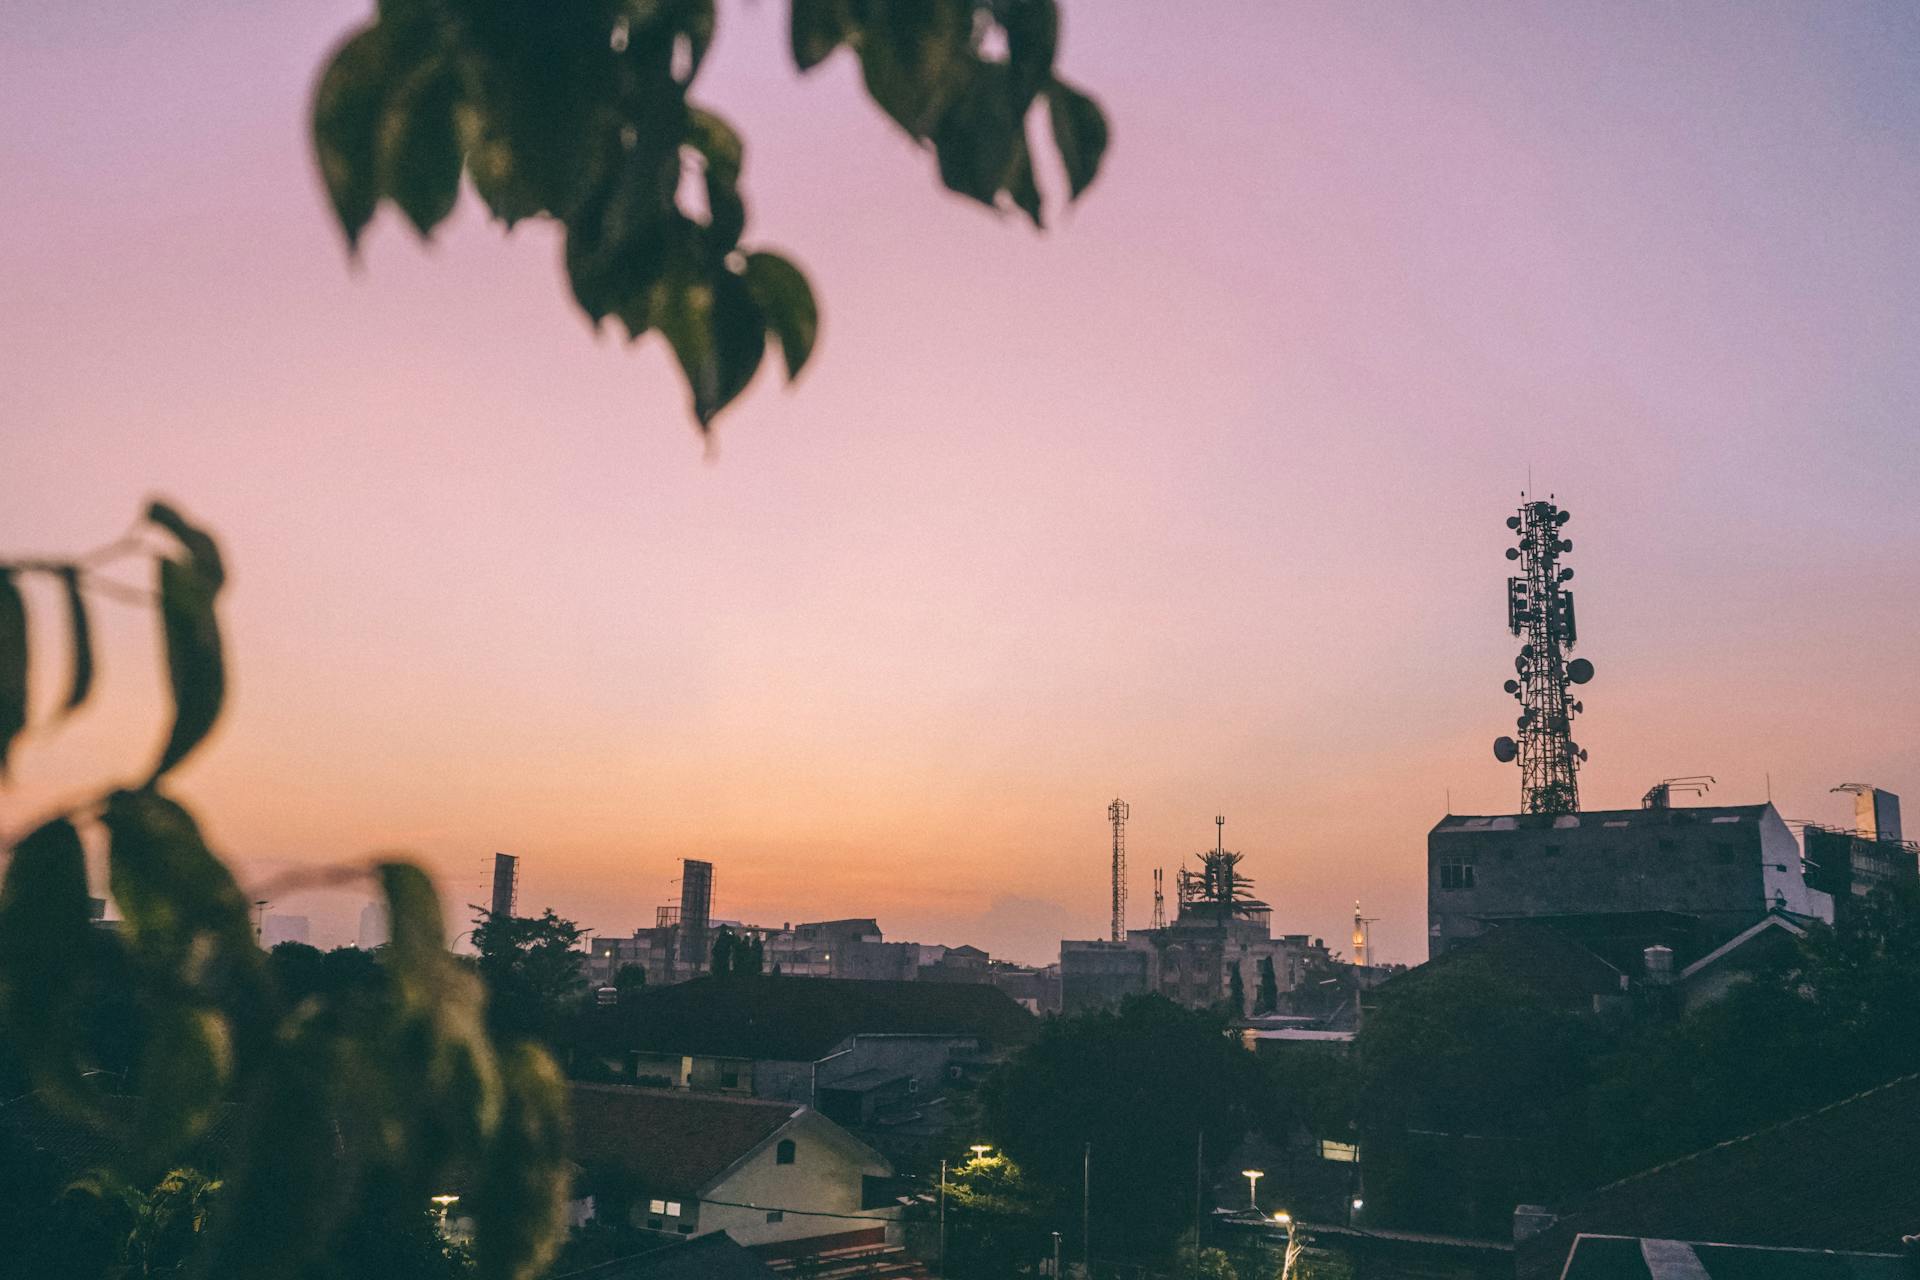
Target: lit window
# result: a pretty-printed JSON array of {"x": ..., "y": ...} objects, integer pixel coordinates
[
  {"x": 1331, "y": 1150},
  {"x": 1456, "y": 873},
  {"x": 673, "y": 1208},
  {"x": 656, "y": 1206},
  {"x": 783, "y": 1154}
]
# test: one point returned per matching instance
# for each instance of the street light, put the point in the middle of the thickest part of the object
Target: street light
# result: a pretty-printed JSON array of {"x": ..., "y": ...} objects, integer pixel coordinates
[
  {"x": 1253, "y": 1177},
  {"x": 1285, "y": 1220},
  {"x": 979, "y": 1150}
]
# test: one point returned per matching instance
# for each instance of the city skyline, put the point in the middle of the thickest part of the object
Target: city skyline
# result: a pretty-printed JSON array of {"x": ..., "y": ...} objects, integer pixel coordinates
[{"x": 1196, "y": 499}]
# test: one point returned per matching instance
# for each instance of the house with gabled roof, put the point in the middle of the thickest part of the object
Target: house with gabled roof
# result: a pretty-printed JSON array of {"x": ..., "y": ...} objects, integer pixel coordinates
[{"x": 767, "y": 1173}]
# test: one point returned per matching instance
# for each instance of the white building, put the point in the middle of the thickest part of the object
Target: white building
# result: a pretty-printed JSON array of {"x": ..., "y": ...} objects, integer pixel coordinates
[{"x": 767, "y": 1173}]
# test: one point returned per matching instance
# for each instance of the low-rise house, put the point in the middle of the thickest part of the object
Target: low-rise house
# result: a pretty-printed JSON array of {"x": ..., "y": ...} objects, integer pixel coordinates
[
  {"x": 797, "y": 1040},
  {"x": 767, "y": 1173}
]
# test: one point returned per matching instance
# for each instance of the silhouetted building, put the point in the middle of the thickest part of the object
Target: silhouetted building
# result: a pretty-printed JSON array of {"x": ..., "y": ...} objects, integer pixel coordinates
[
  {"x": 1619, "y": 880},
  {"x": 1850, "y": 864},
  {"x": 800, "y": 1039}
]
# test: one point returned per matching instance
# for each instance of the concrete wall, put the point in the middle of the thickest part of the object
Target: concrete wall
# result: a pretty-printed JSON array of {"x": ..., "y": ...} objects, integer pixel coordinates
[
  {"x": 1721, "y": 866},
  {"x": 1096, "y": 974}
]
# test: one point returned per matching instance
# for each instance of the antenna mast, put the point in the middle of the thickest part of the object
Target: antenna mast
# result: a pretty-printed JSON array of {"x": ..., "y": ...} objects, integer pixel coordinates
[
  {"x": 1117, "y": 814},
  {"x": 1540, "y": 610},
  {"x": 1159, "y": 901}
]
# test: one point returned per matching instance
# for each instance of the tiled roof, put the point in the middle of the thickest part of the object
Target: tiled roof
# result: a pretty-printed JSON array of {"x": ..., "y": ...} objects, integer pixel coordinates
[
  {"x": 789, "y": 1019},
  {"x": 669, "y": 1140},
  {"x": 1841, "y": 1177},
  {"x": 713, "y": 1256},
  {"x": 1542, "y": 957}
]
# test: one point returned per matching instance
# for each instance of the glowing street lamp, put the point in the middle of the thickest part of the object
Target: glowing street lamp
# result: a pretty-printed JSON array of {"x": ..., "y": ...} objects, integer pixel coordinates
[
  {"x": 1253, "y": 1177},
  {"x": 979, "y": 1150}
]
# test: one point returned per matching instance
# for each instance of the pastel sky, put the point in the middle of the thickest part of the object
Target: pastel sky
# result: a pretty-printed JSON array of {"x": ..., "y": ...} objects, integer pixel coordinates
[{"x": 1196, "y": 499}]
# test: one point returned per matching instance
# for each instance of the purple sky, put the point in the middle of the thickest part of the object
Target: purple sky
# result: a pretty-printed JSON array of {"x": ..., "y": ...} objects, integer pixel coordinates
[{"x": 1195, "y": 500}]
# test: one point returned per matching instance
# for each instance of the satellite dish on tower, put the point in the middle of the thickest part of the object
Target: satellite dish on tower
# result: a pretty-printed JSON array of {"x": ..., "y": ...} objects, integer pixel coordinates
[
  {"x": 1579, "y": 671},
  {"x": 1505, "y": 749}
]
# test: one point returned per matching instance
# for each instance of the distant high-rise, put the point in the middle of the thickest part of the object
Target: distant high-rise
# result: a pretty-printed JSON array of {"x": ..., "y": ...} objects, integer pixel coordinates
[
  {"x": 696, "y": 910},
  {"x": 276, "y": 929},
  {"x": 373, "y": 926},
  {"x": 506, "y": 884}
]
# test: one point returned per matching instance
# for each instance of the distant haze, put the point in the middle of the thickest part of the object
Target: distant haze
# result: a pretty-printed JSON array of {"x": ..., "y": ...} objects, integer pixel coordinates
[{"x": 1195, "y": 500}]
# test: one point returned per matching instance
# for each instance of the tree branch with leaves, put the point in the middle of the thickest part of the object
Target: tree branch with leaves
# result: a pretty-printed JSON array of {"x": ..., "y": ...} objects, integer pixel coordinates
[
  {"x": 400, "y": 1088},
  {"x": 584, "y": 113}
]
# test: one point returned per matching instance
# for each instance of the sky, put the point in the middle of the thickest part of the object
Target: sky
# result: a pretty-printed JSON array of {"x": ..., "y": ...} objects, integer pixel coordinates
[{"x": 1196, "y": 499}]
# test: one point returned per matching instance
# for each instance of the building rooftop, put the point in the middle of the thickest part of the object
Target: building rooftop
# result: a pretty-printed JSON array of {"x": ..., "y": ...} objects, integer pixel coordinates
[
  {"x": 790, "y": 1019},
  {"x": 1543, "y": 957},
  {"x": 1840, "y": 1177},
  {"x": 669, "y": 1140},
  {"x": 713, "y": 1256},
  {"x": 1726, "y": 815}
]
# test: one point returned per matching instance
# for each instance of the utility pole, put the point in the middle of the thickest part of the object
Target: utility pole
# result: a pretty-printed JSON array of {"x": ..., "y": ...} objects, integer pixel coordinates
[
  {"x": 1086, "y": 1200},
  {"x": 942, "y": 1256},
  {"x": 1199, "y": 1176}
]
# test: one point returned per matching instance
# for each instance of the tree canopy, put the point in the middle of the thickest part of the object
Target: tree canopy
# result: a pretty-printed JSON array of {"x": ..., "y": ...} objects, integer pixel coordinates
[{"x": 1138, "y": 1085}]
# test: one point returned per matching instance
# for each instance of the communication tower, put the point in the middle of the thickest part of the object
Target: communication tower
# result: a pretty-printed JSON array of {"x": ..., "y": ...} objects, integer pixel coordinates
[
  {"x": 1362, "y": 944},
  {"x": 1117, "y": 814},
  {"x": 1540, "y": 611},
  {"x": 1159, "y": 901}
]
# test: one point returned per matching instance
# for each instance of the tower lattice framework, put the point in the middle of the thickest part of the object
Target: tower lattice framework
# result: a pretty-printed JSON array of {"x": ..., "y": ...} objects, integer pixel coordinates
[
  {"x": 1117, "y": 813},
  {"x": 1540, "y": 611}
]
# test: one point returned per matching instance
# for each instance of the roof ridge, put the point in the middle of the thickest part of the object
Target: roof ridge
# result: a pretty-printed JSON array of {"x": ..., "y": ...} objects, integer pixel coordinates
[
  {"x": 701, "y": 1095},
  {"x": 1740, "y": 1138}
]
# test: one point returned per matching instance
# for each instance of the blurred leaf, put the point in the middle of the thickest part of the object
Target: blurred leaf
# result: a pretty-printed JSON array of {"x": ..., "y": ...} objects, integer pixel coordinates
[
  {"x": 196, "y": 669},
  {"x": 13, "y": 664},
  {"x": 915, "y": 56},
  {"x": 695, "y": 19},
  {"x": 184, "y": 1068},
  {"x": 45, "y": 930},
  {"x": 1021, "y": 186},
  {"x": 1079, "y": 131},
  {"x": 416, "y": 930},
  {"x": 280, "y": 1205},
  {"x": 723, "y": 153},
  {"x": 786, "y": 300},
  {"x": 77, "y": 623},
  {"x": 202, "y": 551},
  {"x": 418, "y": 146},
  {"x": 520, "y": 1210},
  {"x": 170, "y": 888},
  {"x": 717, "y": 332},
  {"x": 818, "y": 28},
  {"x": 1033, "y": 36},
  {"x": 347, "y": 106},
  {"x": 979, "y": 136}
]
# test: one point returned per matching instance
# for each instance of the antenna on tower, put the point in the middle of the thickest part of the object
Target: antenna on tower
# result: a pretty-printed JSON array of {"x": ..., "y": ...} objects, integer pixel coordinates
[
  {"x": 1540, "y": 609},
  {"x": 1117, "y": 814},
  {"x": 1159, "y": 902}
]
